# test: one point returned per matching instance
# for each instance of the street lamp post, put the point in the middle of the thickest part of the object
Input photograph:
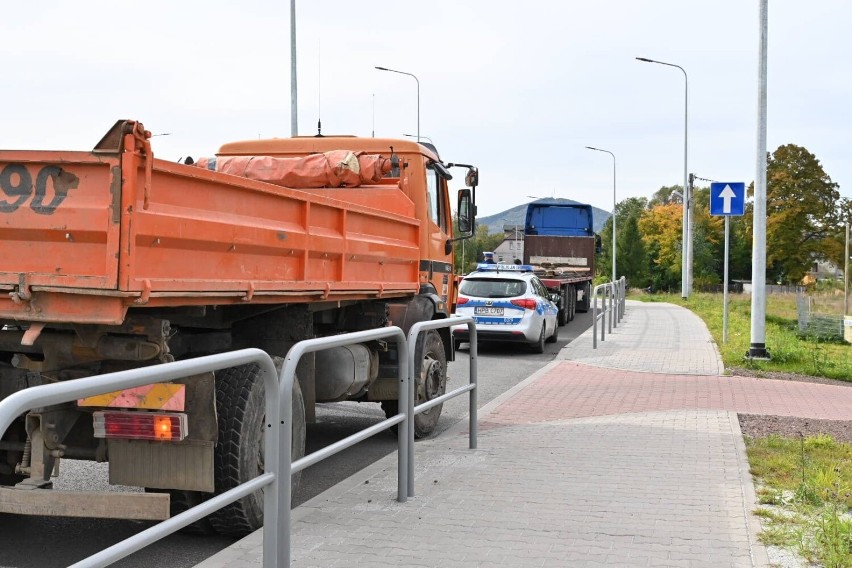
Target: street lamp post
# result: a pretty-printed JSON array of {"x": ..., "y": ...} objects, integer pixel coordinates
[
  {"x": 757, "y": 348},
  {"x": 294, "y": 114},
  {"x": 686, "y": 253},
  {"x": 418, "y": 93},
  {"x": 613, "y": 206}
]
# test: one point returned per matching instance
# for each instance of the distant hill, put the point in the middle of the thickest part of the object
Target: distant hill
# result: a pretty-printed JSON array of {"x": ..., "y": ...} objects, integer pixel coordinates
[{"x": 517, "y": 215}]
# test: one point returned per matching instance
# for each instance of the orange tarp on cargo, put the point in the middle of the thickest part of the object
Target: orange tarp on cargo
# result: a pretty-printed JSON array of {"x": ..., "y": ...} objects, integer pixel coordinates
[{"x": 338, "y": 168}]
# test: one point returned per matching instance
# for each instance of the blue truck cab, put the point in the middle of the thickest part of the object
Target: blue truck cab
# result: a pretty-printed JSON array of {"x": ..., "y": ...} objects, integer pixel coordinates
[{"x": 559, "y": 220}]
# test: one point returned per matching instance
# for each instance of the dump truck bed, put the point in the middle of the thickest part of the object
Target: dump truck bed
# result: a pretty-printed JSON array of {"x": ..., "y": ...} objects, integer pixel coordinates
[{"x": 85, "y": 235}]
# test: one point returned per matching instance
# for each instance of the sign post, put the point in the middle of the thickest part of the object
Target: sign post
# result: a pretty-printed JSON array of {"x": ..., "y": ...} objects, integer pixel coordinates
[{"x": 726, "y": 199}]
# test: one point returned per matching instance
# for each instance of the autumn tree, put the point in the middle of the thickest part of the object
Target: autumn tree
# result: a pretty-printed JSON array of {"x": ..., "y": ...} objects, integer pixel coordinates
[{"x": 661, "y": 230}]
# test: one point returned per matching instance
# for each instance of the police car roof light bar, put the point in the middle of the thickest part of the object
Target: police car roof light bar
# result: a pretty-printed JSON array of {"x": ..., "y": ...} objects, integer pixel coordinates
[{"x": 485, "y": 267}]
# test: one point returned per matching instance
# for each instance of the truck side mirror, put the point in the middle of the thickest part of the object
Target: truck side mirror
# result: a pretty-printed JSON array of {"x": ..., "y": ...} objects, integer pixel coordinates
[
  {"x": 465, "y": 212},
  {"x": 598, "y": 245},
  {"x": 472, "y": 177}
]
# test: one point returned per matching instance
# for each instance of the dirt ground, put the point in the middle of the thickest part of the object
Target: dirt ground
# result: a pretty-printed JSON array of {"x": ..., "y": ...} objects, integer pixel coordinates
[{"x": 757, "y": 426}]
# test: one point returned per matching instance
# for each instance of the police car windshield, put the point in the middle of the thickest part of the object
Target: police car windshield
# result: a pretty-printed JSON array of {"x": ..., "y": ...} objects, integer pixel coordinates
[{"x": 492, "y": 287}]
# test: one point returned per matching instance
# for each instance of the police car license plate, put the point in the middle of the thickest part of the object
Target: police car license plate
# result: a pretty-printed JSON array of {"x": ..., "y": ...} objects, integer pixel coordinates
[{"x": 486, "y": 311}]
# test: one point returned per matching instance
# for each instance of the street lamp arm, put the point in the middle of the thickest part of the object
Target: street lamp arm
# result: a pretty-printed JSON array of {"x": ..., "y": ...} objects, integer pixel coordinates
[
  {"x": 599, "y": 150},
  {"x": 646, "y": 60},
  {"x": 418, "y": 92}
]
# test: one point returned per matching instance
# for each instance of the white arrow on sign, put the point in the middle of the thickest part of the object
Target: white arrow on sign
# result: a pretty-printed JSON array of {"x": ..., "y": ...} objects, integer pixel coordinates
[{"x": 727, "y": 194}]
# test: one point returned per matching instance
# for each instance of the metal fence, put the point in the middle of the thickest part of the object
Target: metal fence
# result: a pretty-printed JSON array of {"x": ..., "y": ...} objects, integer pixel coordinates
[
  {"x": 820, "y": 314},
  {"x": 277, "y": 463},
  {"x": 613, "y": 303}
]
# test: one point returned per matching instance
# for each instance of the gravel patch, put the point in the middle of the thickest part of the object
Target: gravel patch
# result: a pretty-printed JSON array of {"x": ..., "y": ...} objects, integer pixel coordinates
[{"x": 758, "y": 426}]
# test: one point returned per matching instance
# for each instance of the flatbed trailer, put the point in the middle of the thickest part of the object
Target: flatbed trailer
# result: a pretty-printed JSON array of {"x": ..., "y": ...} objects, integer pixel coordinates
[{"x": 560, "y": 242}]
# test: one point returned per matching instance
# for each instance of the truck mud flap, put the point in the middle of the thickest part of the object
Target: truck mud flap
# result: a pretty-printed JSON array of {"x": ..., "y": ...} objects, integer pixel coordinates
[
  {"x": 187, "y": 465},
  {"x": 112, "y": 505}
]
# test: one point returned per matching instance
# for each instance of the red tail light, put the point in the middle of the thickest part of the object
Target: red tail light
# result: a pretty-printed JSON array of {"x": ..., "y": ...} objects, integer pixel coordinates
[
  {"x": 526, "y": 303},
  {"x": 164, "y": 427},
  {"x": 462, "y": 300}
]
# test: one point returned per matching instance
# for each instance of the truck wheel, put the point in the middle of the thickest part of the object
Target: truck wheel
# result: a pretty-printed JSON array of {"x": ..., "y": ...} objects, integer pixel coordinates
[
  {"x": 430, "y": 383},
  {"x": 239, "y": 452},
  {"x": 584, "y": 306},
  {"x": 572, "y": 302},
  {"x": 564, "y": 312},
  {"x": 180, "y": 501}
]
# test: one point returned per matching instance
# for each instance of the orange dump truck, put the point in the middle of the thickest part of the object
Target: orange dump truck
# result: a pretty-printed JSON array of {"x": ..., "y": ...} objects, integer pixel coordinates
[{"x": 112, "y": 259}]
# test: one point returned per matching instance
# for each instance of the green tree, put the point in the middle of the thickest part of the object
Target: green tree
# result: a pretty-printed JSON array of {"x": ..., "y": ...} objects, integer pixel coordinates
[
  {"x": 708, "y": 241},
  {"x": 835, "y": 244},
  {"x": 666, "y": 195},
  {"x": 803, "y": 213},
  {"x": 468, "y": 254},
  {"x": 632, "y": 260},
  {"x": 739, "y": 264}
]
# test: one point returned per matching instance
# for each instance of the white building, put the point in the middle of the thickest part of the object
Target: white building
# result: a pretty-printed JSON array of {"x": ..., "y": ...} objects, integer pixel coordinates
[{"x": 512, "y": 246}]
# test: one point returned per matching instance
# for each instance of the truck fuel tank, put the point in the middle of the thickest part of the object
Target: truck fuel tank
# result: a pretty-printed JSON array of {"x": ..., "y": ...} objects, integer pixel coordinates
[{"x": 346, "y": 372}]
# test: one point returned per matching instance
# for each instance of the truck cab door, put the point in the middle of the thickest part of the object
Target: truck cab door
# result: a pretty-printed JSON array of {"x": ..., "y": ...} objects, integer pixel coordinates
[{"x": 437, "y": 266}]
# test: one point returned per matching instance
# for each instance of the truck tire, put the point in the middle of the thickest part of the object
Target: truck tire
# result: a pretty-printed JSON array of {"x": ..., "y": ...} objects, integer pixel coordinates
[
  {"x": 239, "y": 452},
  {"x": 430, "y": 383},
  {"x": 562, "y": 315},
  {"x": 584, "y": 305},
  {"x": 180, "y": 501}
]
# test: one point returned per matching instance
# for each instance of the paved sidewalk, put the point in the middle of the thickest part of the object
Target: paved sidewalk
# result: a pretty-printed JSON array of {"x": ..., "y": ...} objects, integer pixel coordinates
[
  {"x": 656, "y": 337},
  {"x": 628, "y": 456}
]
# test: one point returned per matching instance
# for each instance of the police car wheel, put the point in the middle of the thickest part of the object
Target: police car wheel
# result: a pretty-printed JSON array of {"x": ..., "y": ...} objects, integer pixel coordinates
[{"x": 538, "y": 346}]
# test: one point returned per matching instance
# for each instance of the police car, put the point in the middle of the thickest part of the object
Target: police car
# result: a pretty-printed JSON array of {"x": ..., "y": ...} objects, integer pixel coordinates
[{"x": 508, "y": 303}]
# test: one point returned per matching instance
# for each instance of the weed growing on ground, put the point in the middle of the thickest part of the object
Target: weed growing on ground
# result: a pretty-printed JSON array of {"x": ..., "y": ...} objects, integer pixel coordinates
[{"x": 816, "y": 472}]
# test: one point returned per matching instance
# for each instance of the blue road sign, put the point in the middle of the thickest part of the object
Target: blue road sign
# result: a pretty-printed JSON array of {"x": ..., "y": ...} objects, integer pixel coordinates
[{"x": 727, "y": 198}]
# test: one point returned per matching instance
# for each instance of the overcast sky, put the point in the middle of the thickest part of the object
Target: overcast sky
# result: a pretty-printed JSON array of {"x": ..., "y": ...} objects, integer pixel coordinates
[{"x": 516, "y": 88}]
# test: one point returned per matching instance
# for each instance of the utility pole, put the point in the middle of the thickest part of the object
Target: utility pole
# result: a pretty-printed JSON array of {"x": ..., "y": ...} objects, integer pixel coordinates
[{"x": 689, "y": 231}]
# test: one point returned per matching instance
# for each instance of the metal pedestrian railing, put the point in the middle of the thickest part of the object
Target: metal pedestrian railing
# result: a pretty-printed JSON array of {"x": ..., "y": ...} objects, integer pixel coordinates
[
  {"x": 22, "y": 401},
  {"x": 278, "y": 394},
  {"x": 471, "y": 387},
  {"x": 613, "y": 303}
]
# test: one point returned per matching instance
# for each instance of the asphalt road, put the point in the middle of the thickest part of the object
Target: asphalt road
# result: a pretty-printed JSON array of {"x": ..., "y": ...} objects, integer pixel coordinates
[{"x": 46, "y": 542}]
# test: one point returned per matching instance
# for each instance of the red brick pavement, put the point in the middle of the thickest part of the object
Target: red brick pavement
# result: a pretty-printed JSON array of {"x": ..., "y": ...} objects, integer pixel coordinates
[{"x": 574, "y": 390}]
